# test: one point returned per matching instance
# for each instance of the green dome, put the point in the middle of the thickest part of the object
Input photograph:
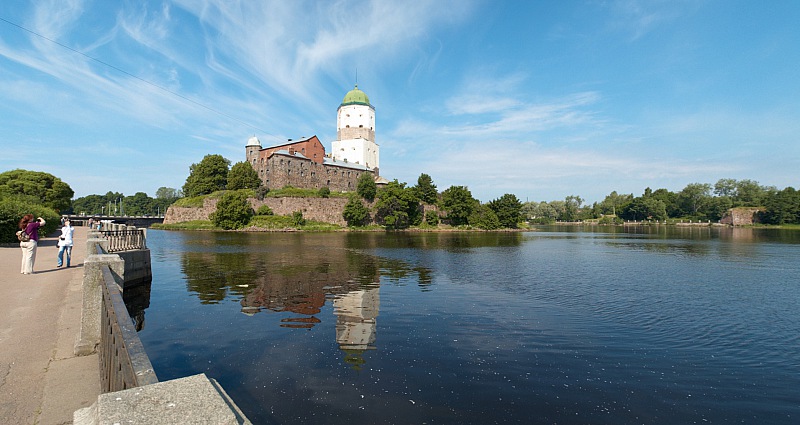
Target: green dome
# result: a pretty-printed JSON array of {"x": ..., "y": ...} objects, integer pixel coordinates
[{"x": 355, "y": 96}]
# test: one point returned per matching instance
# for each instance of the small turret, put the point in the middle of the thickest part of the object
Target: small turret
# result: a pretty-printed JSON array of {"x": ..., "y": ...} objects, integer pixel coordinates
[{"x": 252, "y": 148}]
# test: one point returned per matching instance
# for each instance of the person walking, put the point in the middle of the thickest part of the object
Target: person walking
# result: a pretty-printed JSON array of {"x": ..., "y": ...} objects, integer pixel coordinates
[
  {"x": 65, "y": 243},
  {"x": 31, "y": 227}
]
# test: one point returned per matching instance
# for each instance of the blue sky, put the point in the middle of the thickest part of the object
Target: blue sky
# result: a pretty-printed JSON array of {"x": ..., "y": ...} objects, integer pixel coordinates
[{"x": 542, "y": 99}]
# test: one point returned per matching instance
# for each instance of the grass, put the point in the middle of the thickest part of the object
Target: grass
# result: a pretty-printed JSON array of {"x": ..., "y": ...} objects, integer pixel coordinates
[
  {"x": 187, "y": 225},
  {"x": 285, "y": 222},
  {"x": 294, "y": 192}
]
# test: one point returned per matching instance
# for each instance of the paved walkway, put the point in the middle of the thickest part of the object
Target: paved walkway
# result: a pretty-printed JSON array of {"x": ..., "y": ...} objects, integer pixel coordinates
[{"x": 41, "y": 380}]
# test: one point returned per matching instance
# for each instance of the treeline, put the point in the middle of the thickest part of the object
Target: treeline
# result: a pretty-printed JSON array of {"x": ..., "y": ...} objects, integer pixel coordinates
[
  {"x": 394, "y": 205},
  {"x": 115, "y": 203},
  {"x": 697, "y": 201}
]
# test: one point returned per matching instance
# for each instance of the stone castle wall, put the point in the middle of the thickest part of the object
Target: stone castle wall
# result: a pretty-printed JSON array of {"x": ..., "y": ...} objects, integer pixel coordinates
[
  {"x": 328, "y": 210},
  {"x": 279, "y": 171}
]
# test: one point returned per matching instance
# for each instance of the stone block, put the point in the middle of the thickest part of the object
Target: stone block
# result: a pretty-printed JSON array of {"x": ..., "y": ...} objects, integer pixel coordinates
[{"x": 192, "y": 400}]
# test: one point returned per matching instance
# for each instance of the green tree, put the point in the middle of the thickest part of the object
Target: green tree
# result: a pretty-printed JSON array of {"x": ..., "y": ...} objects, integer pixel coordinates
[
  {"x": 233, "y": 211},
  {"x": 644, "y": 208},
  {"x": 355, "y": 212},
  {"x": 36, "y": 187},
  {"x": 426, "y": 190},
  {"x": 168, "y": 193},
  {"x": 242, "y": 176},
  {"x": 459, "y": 204},
  {"x": 508, "y": 210},
  {"x": 541, "y": 212},
  {"x": 670, "y": 200},
  {"x": 207, "y": 176},
  {"x": 483, "y": 217},
  {"x": 324, "y": 192},
  {"x": 366, "y": 187},
  {"x": 694, "y": 198},
  {"x": 138, "y": 204},
  {"x": 572, "y": 208},
  {"x": 612, "y": 203},
  {"x": 782, "y": 207},
  {"x": 397, "y": 207}
]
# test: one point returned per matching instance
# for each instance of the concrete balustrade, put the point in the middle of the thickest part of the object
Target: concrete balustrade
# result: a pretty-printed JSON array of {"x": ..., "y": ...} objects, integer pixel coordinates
[{"x": 194, "y": 399}]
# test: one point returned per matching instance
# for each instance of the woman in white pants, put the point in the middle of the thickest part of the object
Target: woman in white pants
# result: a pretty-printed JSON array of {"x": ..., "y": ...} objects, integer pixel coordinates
[{"x": 31, "y": 227}]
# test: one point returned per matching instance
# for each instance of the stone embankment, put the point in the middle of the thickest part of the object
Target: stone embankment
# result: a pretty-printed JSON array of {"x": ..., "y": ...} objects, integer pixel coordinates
[{"x": 328, "y": 210}]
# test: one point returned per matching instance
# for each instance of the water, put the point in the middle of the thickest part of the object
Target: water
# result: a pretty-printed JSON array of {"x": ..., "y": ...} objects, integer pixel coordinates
[{"x": 568, "y": 326}]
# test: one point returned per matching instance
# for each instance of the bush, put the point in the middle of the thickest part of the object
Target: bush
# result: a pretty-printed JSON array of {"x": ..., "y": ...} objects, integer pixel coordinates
[
  {"x": 297, "y": 219},
  {"x": 355, "y": 213},
  {"x": 12, "y": 210},
  {"x": 261, "y": 192},
  {"x": 264, "y": 210},
  {"x": 432, "y": 218},
  {"x": 324, "y": 192},
  {"x": 233, "y": 211},
  {"x": 366, "y": 187},
  {"x": 484, "y": 218}
]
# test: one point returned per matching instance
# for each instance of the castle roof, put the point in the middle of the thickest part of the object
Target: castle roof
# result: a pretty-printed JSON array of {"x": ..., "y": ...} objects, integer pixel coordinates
[
  {"x": 292, "y": 142},
  {"x": 343, "y": 164},
  {"x": 355, "y": 97},
  {"x": 253, "y": 141}
]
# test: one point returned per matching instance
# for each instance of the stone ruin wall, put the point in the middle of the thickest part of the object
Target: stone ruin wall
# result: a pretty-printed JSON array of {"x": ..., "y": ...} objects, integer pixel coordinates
[{"x": 741, "y": 216}]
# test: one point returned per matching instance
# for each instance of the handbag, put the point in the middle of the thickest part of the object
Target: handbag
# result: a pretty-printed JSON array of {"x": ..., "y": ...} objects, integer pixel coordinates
[{"x": 23, "y": 236}]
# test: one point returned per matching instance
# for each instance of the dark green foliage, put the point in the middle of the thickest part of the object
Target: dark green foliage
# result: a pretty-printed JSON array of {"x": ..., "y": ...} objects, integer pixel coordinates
[
  {"x": 11, "y": 212},
  {"x": 366, "y": 187},
  {"x": 426, "y": 190},
  {"x": 243, "y": 176},
  {"x": 233, "y": 211},
  {"x": 459, "y": 204},
  {"x": 717, "y": 207},
  {"x": 432, "y": 218},
  {"x": 782, "y": 207},
  {"x": 264, "y": 210},
  {"x": 36, "y": 187},
  {"x": 644, "y": 208},
  {"x": 261, "y": 192},
  {"x": 508, "y": 210},
  {"x": 297, "y": 219},
  {"x": 207, "y": 176},
  {"x": 483, "y": 217},
  {"x": 355, "y": 212},
  {"x": 324, "y": 192},
  {"x": 397, "y": 207}
]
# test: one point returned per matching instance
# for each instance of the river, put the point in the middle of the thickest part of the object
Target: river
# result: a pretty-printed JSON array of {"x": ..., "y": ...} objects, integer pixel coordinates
[{"x": 562, "y": 325}]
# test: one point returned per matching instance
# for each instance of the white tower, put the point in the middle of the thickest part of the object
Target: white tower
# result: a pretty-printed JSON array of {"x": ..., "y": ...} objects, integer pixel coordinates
[{"x": 355, "y": 135}]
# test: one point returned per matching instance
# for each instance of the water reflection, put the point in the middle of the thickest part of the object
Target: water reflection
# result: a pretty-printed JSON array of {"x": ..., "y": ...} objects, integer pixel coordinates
[
  {"x": 137, "y": 300},
  {"x": 356, "y": 326}
]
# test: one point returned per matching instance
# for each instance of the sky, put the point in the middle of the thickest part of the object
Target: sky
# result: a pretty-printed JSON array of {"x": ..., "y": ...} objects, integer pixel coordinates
[{"x": 540, "y": 99}]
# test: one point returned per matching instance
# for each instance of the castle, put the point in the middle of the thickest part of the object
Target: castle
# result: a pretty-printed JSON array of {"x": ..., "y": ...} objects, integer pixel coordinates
[{"x": 303, "y": 163}]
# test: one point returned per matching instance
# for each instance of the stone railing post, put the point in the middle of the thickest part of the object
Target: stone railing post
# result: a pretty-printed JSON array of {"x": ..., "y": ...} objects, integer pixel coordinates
[{"x": 91, "y": 313}]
